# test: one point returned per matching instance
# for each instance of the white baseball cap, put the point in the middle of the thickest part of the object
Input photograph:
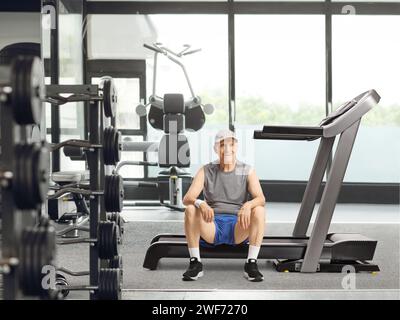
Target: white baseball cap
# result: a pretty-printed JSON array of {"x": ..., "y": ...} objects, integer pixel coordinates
[{"x": 224, "y": 134}]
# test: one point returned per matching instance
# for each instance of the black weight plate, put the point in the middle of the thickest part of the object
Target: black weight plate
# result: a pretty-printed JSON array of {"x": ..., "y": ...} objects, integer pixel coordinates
[
  {"x": 107, "y": 193},
  {"x": 19, "y": 182},
  {"x": 36, "y": 259},
  {"x": 107, "y": 241},
  {"x": 114, "y": 243},
  {"x": 35, "y": 85},
  {"x": 22, "y": 188},
  {"x": 17, "y": 82},
  {"x": 117, "y": 146},
  {"x": 113, "y": 193},
  {"x": 104, "y": 285},
  {"x": 103, "y": 249},
  {"x": 109, "y": 284},
  {"x": 102, "y": 291},
  {"x": 41, "y": 258},
  {"x": 29, "y": 184},
  {"x": 32, "y": 263},
  {"x": 48, "y": 247},
  {"x": 194, "y": 118},
  {"x": 17, "y": 179},
  {"x": 28, "y": 261},
  {"x": 110, "y": 147},
  {"x": 109, "y": 98},
  {"x": 117, "y": 193},
  {"x": 115, "y": 216},
  {"x": 121, "y": 193},
  {"x": 106, "y": 146},
  {"x": 113, "y": 147},
  {"x": 25, "y": 92},
  {"x": 24, "y": 254},
  {"x": 108, "y": 150},
  {"x": 28, "y": 90},
  {"x": 115, "y": 280},
  {"x": 100, "y": 240},
  {"x": 40, "y": 169}
]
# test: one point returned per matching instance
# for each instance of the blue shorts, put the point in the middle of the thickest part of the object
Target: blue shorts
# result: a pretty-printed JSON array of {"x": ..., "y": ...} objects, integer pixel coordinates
[{"x": 224, "y": 230}]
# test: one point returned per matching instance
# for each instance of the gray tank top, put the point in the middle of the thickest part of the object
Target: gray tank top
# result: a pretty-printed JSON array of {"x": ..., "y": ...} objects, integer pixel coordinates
[{"x": 225, "y": 192}]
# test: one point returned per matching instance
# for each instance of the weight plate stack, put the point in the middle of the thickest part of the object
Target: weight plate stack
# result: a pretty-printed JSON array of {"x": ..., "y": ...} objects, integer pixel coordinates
[
  {"x": 112, "y": 146},
  {"x": 107, "y": 240},
  {"x": 109, "y": 284},
  {"x": 31, "y": 174},
  {"x": 109, "y": 97},
  {"x": 116, "y": 263},
  {"x": 116, "y": 217},
  {"x": 37, "y": 251},
  {"x": 28, "y": 90},
  {"x": 113, "y": 193}
]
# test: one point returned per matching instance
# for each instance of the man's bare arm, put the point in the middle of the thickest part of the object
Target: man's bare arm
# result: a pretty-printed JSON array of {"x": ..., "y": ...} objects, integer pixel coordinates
[
  {"x": 195, "y": 188},
  {"x": 255, "y": 190}
]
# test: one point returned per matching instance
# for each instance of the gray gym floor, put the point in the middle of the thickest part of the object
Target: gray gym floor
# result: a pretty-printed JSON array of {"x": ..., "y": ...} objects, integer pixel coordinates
[{"x": 223, "y": 279}]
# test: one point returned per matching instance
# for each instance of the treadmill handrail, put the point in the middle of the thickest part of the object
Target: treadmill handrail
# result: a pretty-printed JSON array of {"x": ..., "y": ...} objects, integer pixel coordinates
[
  {"x": 366, "y": 101},
  {"x": 289, "y": 133}
]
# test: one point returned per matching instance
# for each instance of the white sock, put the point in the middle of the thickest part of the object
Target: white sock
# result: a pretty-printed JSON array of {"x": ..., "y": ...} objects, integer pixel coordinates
[
  {"x": 253, "y": 252},
  {"x": 195, "y": 253}
]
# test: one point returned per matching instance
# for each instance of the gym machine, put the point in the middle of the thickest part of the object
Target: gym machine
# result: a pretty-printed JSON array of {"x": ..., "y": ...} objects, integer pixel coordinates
[
  {"x": 321, "y": 251},
  {"x": 173, "y": 115}
]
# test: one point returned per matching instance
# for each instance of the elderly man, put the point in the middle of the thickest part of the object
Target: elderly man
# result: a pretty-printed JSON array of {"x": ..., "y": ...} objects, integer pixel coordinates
[{"x": 225, "y": 216}]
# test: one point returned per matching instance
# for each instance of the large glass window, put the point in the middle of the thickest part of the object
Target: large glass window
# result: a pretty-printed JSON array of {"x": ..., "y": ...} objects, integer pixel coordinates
[
  {"x": 366, "y": 52},
  {"x": 280, "y": 79},
  {"x": 207, "y": 69},
  {"x": 71, "y": 72}
]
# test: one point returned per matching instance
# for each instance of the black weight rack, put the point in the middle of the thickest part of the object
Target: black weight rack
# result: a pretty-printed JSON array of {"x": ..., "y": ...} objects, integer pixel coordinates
[
  {"x": 95, "y": 163},
  {"x": 16, "y": 216}
]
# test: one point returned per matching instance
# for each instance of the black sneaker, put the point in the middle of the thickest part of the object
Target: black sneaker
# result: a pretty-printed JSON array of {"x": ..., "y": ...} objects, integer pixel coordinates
[
  {"x": 194, "y": 271},
  {"x": 251, "y": 271}
]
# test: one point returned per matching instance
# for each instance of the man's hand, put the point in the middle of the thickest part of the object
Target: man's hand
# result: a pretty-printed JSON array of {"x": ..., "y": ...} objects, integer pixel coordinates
[
  {"x": 207, "y": 212},
  {"x": 244, "y": 216}
]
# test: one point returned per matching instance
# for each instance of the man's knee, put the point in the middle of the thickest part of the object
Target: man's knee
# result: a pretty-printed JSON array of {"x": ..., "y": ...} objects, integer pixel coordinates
[
  {"x": 258, "y": 214},
  {"x": 191, "y": 212}
]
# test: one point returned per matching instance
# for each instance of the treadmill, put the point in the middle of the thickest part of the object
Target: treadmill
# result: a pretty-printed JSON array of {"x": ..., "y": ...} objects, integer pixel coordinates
[{"x": 321, "y": 251}]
